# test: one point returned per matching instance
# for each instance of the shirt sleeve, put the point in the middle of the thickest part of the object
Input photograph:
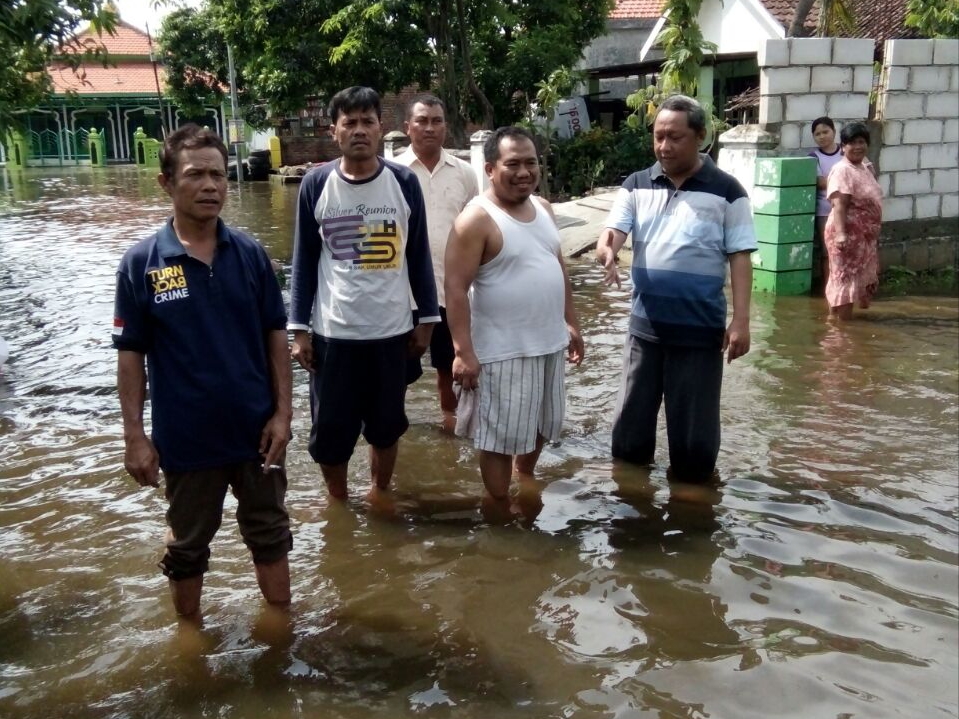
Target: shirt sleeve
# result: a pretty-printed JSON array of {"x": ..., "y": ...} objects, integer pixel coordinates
[
  {"x": 307, "y": 250},
  {"x": 272, "y": 310},
  {"x": 131, "y": 321},
  {"x": 622, "y": 215},
  {"x": 419, "y": 261},
  {"x": 840, "y": 180}
]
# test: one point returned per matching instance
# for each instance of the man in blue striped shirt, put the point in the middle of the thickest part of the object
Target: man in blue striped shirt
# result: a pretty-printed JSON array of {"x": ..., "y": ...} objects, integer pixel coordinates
[{"x": 688, "y": 220}]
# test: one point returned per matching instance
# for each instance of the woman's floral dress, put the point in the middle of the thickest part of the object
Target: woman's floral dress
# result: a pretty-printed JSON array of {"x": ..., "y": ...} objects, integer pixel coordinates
[{"x": 854, "y": 267}]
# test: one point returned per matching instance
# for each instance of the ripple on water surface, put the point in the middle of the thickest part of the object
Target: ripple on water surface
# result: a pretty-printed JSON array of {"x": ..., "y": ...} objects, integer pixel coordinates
[{"x": 818, "y": 580}]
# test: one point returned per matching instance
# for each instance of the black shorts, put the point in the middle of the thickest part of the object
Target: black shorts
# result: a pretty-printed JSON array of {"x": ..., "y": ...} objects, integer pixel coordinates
[
  {"x": 196, "y": 510},
  {"x": 356, "y": 387},
  {"x": 441, "y": 350}
]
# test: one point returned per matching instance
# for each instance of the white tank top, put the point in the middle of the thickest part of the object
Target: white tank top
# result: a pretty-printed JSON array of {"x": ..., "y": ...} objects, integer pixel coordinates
[{"x": 517, "y": 298}]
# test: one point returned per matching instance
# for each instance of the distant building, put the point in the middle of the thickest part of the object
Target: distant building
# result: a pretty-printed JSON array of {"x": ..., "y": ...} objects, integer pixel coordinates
[
  {"x": 616, "y": 65},
  {"x": 115, "y": 100}
]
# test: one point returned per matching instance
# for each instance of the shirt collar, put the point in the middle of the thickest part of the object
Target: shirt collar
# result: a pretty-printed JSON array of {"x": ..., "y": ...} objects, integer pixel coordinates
[
  {"x": 169, "y": 244},
  {"x": 703, "y": 174},
  {"x": 445, "y": 158}
]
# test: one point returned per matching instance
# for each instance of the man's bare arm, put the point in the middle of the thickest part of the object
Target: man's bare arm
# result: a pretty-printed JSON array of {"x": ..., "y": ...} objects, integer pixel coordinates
[
  {"x": 464, "y": 254},
  {"x": 140, "y": 457}
]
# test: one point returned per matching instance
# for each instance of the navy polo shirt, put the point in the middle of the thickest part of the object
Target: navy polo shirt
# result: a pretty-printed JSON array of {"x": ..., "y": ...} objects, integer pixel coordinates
[{"x": 203, "y": 329}]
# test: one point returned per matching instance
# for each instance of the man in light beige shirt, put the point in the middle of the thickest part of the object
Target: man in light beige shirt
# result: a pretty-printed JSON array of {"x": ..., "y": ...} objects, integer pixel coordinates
[{"x": 448, "y": 184}]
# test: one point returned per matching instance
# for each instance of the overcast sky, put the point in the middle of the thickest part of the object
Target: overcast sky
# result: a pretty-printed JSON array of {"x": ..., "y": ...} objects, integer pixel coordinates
[{"x": 140, "y": 12}]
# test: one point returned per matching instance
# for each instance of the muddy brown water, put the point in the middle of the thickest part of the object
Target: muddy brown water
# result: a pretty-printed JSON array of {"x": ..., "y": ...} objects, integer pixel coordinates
[{"x": 819, "y": 580}]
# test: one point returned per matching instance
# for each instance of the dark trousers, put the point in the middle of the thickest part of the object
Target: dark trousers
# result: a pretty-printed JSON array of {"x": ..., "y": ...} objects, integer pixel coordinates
[{"x": 688, "y": 380}]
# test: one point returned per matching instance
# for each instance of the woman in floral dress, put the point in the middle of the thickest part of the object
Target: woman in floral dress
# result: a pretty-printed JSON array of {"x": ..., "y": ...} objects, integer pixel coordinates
[{"x": 852, "y": 229}]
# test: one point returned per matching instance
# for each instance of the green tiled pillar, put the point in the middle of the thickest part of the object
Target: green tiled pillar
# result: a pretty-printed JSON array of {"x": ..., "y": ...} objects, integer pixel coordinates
[
  {"x": 97, "y": 148},
  {"x": 784, "y": 206}
]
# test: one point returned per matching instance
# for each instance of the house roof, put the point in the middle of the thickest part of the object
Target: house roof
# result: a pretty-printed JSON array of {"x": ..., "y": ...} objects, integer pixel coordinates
[
  {"x": 130, "y": 71},
  {"x": 879, "y": 20},
  {"x": 637, "y": 9},
  {"x": 94, "y": 79},
  {"x": 128, "y": 40}
]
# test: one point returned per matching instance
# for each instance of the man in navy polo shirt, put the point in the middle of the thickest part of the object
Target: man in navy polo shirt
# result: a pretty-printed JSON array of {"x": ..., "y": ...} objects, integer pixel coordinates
[
  {"x": 199, "y": 302},
  {"x": 689, "y": 221}
]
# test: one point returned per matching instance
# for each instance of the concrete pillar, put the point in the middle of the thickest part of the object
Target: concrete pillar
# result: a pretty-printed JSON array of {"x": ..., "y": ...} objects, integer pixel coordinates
[
  {"x": 739, "y": 149},
  {"x": 477, "y": 160},
  {"x": 394, "y": 143}
]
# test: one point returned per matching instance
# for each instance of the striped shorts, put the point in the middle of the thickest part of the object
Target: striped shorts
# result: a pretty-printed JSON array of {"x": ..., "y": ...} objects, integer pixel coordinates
[{"x": 519, "y": 399}]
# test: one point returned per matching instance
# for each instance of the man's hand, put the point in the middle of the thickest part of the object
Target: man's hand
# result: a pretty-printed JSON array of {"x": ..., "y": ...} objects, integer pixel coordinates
[
  {"x": 419, "y": 340},
  {"x": 466, "y": 369},
  {"x": 609, "y": 243},
  {"x": 302, "y": 350},
  {"x": 576, "y": 348},
  {"x": 141, "y": 460},
  {"x": 736, "y": 341},
  {"x": 273, "y": 440}
]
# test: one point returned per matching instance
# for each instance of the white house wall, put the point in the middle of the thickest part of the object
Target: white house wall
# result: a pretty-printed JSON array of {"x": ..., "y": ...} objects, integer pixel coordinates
[{"x": 737, "y": 26}]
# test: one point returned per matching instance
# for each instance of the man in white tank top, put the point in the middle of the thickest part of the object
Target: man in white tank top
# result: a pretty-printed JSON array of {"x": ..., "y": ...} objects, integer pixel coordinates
[{"x": 510, "y": 310}]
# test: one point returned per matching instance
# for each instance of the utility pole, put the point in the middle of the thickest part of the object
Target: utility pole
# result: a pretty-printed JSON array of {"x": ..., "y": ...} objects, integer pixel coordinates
[{"x": 236, "y": 124}]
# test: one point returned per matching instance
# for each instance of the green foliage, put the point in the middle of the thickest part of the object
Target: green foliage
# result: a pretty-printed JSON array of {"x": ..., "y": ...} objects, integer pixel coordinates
[
  {"x": 483, "y": 53},
  {"x": 33, "y": 34},
  {"x": 597, "y": 157},
  {"x": 684, "y": 48},
  {"x": 284, "y": 52},
  {"x": 836, "y": 19},
  {"x": 897, "y": 281},
  {"x": 934, "y": 18}
]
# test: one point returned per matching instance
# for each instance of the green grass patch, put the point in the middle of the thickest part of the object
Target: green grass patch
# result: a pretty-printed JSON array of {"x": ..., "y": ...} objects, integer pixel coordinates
[{"x": 897, "y": 281}]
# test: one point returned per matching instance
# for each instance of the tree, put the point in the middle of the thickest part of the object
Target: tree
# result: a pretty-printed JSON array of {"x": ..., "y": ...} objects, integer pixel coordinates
[
  {"x": 836, "y": 19},
  {"x": 684, "y": 48},
  {"x": 478, "y": 54},
  {"x": 36, "y": 33},
  {"x": 481, "y": 53},
  {"x": 281, "y": 56},
  {"x": 934, "y": 18}
]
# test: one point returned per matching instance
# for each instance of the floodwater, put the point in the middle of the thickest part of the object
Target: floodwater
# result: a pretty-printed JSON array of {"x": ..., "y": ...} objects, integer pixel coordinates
[{"x": 819, "y": 580}]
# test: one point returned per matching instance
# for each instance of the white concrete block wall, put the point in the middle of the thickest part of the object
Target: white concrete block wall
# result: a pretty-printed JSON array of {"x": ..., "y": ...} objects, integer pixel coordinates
[
  {"x": 928, "y": 206},
  {"x": 804, "y": 107},
  {"x": 950, "y": 205},
  {"x": 853, "y": 51},
  {"x": 828, "y": 78},
  {"x": 917, "y": 104},
  {"x": 950, "y": 130},
  {"x": 810, "y": 51},
  {"x": 897, "y": 158},
  {"x": 912, "y": 183},
  {"x": 897, "y": 208},
  {"x": 908, "y": 52},
  {"x": 785, "y": 80},
  {"x": 942, "y": 104},
  {"x": 946, "y": 52},
  {"x": 934, "y": 78},
  {"x": 920, "y": 132},
  {"x": 943, "y": 155}
]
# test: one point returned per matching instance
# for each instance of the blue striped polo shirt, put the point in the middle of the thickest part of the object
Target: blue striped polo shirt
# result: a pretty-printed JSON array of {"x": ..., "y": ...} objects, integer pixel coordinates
[{"x": 681, "y": 242}]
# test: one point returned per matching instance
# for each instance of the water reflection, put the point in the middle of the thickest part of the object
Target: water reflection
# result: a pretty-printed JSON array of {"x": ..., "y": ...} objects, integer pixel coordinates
[{"x": 819, "y": 579}]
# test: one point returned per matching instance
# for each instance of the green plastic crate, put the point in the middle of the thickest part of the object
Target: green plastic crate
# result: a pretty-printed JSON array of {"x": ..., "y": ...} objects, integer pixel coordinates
[
  {"x": 784, "y": 229},
  {"x": 786, "y": 171},
  {"x": 794, "y": 256},
  {"x": 784, "y": 200},
  {"x": 794, "y": 282}
]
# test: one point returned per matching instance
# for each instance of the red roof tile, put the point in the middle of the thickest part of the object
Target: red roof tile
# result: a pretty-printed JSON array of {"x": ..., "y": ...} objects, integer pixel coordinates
[
  {"x": 880, "y": 20},
  {"x": 94, "y": 79},
  {"x": 129, "y": 40},
  {"x": 637, "y": 9}
]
